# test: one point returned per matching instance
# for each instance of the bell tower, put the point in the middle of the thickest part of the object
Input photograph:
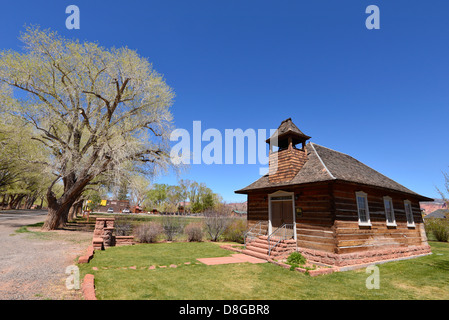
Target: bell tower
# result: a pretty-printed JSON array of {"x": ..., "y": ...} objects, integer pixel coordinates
[{"x": 290, "y": 156}]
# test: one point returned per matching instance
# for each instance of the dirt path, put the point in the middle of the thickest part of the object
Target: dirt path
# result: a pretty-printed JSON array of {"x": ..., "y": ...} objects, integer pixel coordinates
[{"x": 33, "y": 264}]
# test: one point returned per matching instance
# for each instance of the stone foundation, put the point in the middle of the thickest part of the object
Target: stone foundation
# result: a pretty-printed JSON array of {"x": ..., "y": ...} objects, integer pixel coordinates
[{"x": 363, "y": 257}]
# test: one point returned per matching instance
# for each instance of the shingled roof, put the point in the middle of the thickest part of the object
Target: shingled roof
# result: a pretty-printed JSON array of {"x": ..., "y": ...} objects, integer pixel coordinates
[
  {"x": 287, "y": 127},
  {"x": 325, "y": 164},
  {"x": 438, "y": 214}
]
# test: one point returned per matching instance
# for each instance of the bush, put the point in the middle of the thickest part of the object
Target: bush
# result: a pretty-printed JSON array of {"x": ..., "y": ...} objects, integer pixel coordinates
[
  {"x": 216, "y": 221},
  {"x": 194, "y": 232},
  {"x": 172, "y": 226},
  {"x": 439, "y": 228},
  {"x": 148, "y": 233},
  {"x": 296, "y": 259},
  {"x": 123, "y": 226},
  {"x": 236, "y": 231}
]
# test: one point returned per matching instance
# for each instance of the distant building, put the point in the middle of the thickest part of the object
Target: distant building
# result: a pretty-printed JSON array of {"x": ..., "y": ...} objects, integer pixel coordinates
[
  {"x": 116, "y": 205},
  {"x": 136, "y": 209},
  {"x": 238, "y": 213},
  {"x": 438, "y": 214}
]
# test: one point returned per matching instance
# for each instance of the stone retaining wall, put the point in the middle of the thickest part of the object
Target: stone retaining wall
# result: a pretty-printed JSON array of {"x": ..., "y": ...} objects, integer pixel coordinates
[
  {"x": 124, "y": 240},
  {"x": 104, "y": 235}
]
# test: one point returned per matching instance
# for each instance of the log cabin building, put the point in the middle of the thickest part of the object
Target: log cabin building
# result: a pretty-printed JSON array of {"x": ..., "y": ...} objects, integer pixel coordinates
[{"x": 330, "y": 207}]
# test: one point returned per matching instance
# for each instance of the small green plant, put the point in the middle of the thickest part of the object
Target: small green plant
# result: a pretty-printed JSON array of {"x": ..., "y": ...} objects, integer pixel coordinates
[
  {"x": 296, "y": 259},
  {"x": 293, "y": 267}
]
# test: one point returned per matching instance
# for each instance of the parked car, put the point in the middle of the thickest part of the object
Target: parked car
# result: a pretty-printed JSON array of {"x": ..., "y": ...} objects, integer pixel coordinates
[
  {"x": 111, "y": 210},
  {"x": 126, "y": 210}
]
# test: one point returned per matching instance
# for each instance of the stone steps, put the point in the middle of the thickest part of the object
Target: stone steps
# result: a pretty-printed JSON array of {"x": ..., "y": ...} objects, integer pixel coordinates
[
  {"x": 256, "y": 254},
  {"x": 259, "y": 247}
]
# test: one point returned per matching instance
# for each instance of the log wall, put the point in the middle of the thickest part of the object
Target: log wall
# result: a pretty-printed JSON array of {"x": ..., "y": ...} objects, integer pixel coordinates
[
  {"x": 257, "y": 209},
  {"x": 350, "y": 237},
  {"x": 329, "y": 219},
  {"x": 314, "y": 226}
]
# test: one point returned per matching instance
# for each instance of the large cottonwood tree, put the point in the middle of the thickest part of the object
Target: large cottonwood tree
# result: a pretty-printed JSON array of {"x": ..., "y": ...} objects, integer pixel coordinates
[{"x": 94, "y": 108}]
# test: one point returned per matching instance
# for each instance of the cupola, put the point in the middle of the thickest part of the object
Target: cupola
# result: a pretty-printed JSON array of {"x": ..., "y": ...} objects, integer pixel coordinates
[{"x": 287, "y": 152}]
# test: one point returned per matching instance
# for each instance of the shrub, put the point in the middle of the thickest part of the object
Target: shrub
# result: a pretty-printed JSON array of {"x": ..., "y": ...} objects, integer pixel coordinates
[
  {"x": 439, "y": 228},
  {"x": 172, "y": 226},
  {"x": 123, "y": 227},
  {"x": 235, "y": 231},
  {"x": 194, "y": 232},
  {"x": 216, "y": 221},
  {"x": 296, "y": 258},
  {"x": 148, "y": 233}
]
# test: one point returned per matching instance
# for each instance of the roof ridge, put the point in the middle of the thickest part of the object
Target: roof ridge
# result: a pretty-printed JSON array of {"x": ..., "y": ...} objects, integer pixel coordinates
[
  {"x": 354, "y": 160},
  {"x": 335, "y": 151},
  {"x": 319, "y": 158},
  {"x": 363, "y": 164}
]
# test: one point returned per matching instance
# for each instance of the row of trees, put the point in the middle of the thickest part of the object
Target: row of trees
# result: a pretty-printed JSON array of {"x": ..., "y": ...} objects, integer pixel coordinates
[
  {"x": 167, "y": 198},
  {"x": 193, "y": 196},
  {"x": 21, "y": 185}
]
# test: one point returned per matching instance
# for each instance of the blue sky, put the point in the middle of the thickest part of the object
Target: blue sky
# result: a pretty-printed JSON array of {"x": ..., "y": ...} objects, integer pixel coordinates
[{"x": 381, "y": 96}]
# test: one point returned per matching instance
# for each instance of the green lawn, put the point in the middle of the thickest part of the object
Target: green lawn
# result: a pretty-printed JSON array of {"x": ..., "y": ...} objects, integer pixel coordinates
[{"x": 421, "y": 278}]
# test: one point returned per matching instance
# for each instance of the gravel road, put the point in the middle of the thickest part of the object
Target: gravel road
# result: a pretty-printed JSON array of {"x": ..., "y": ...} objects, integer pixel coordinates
[{"x": 33, "y": 264}]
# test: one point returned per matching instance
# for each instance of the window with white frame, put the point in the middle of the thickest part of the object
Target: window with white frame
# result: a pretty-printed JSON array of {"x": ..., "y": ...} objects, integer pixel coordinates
[
  {"x": 389, "y": 211},
  {"x": 362, "y": 208},
  {"x": 409, "y": 213}
]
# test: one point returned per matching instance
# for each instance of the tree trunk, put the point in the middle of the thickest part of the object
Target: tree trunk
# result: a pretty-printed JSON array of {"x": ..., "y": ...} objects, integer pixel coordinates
[
  {"x": 18, "y": 201},
  {"x": 75, "y": 209},
  {"x": 15, "y": 200},
  {"x": 57, "y": 215},
  {"x": 71, "y": 215},
  {"x": 53, "y": 218},
  {"x": 4, "y": 201},
  {"x": 79, "y": 208},
  {"x": 58, "y": 209},
  {"x": 10, "y": 201},
  {"x": 29, "y": 201}
]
